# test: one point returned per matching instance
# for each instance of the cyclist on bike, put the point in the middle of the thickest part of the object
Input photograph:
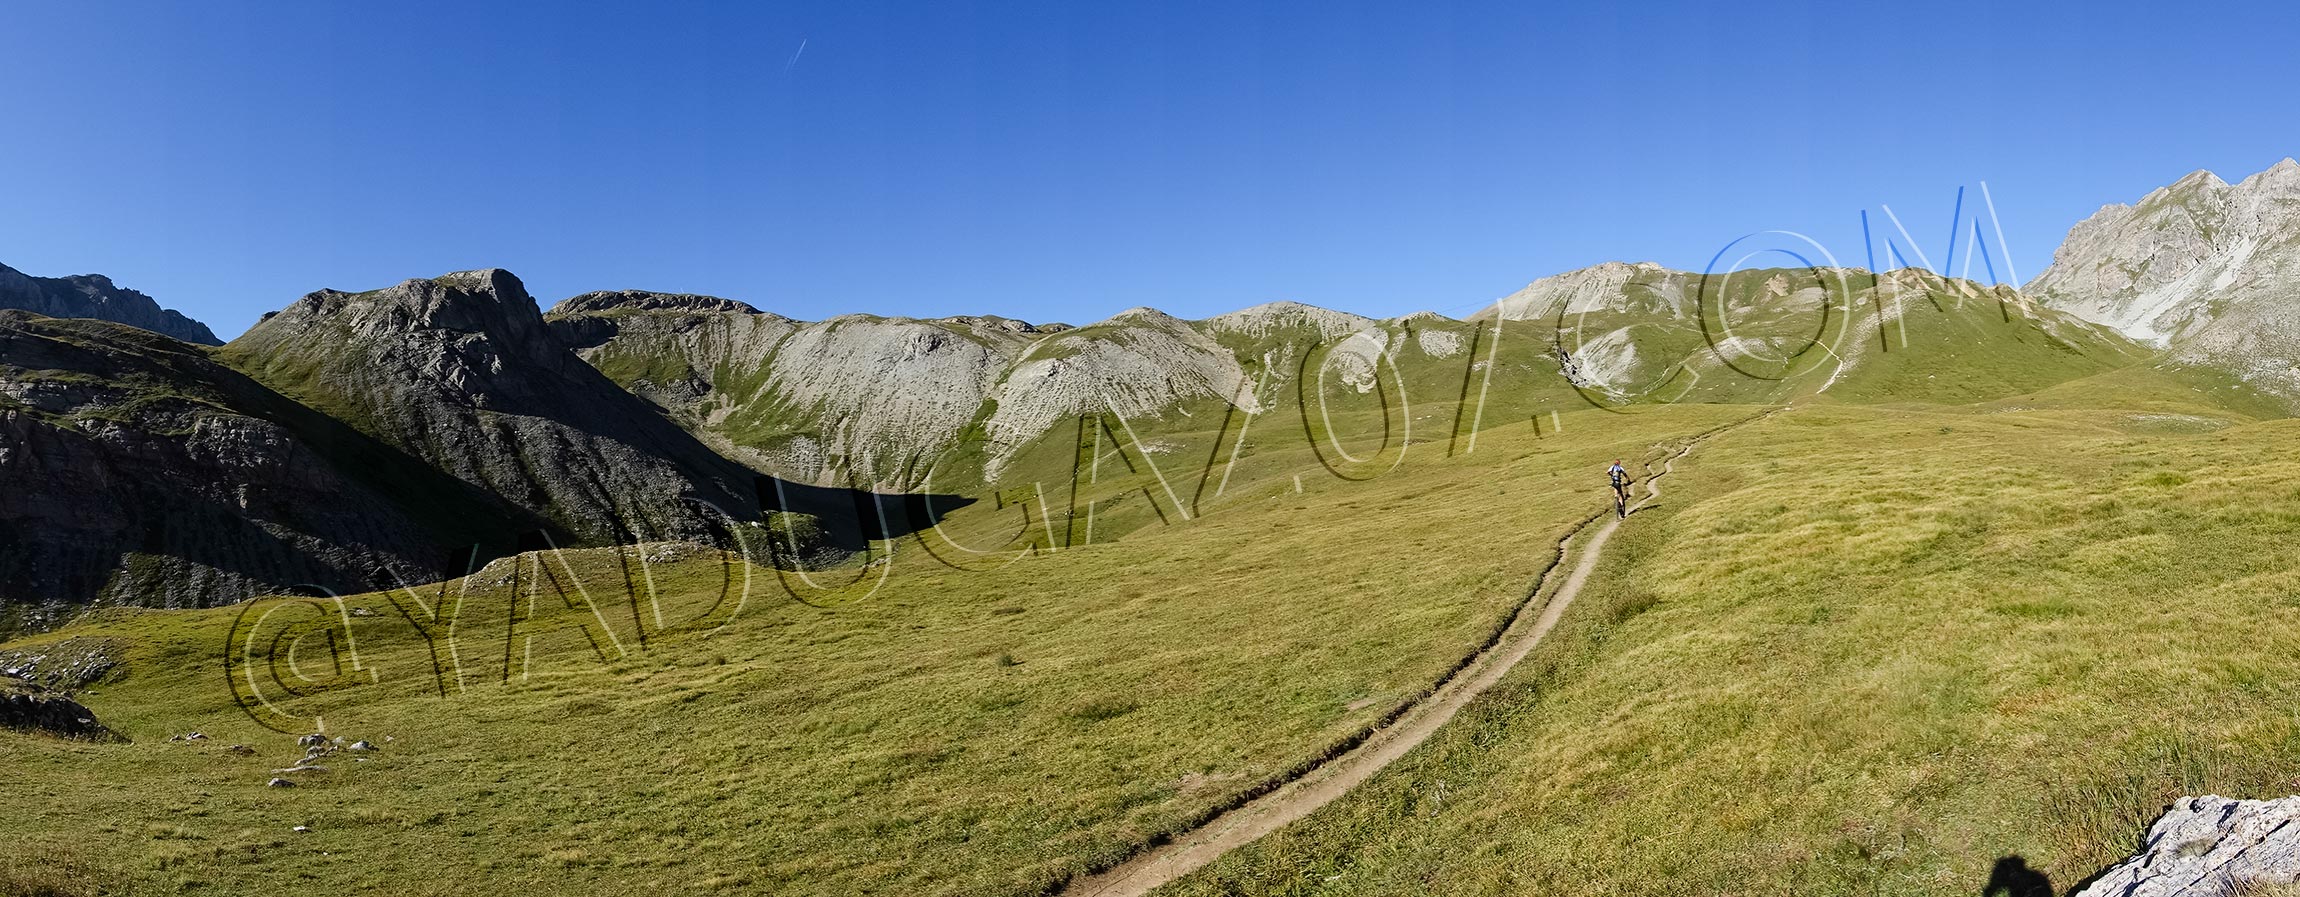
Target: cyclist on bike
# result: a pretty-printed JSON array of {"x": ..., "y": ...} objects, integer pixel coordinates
[{"x": 1619, "y": 476}]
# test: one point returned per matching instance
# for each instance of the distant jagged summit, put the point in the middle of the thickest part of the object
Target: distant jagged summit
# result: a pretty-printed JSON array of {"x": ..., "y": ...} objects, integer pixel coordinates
[
  {"x": 995, "y": 322},
  {"x": 1270, "y": 317},
  {"x": 609, "y": 301},
  {"x": 1644, "y": 287},
  {"x": 95, "y": 296}
]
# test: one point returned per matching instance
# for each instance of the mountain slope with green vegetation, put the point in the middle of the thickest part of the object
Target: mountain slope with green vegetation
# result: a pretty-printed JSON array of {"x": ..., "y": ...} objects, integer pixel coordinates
[
  {"x": 987, "y": 730},
  {"x": 982, "y": 405},
  {"x": 1872, "y": 651},
  {"x": 1853, "y": 650},
  {"x": 1144, "y": 570}
]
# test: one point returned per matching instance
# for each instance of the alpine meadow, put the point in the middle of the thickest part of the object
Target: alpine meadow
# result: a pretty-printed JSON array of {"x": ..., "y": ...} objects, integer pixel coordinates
[{"x": 1782, "y": 575}]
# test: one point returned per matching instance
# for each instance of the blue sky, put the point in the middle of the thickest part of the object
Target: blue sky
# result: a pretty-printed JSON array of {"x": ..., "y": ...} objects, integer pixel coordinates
[{"x": 1064, "y": 161}]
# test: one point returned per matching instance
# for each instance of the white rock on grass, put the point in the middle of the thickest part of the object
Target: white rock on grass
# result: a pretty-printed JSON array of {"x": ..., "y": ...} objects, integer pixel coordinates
[{"x": 2210, "y": 845}]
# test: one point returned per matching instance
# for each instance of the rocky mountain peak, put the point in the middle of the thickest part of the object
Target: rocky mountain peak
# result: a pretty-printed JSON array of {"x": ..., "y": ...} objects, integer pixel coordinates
[
  {"x": 2282, "y": 178},
  {"x": 1269, "y": 317},
  {"x": 997, "y": 323},
  {"x": 463, "y": 371},
  {"x": 2200, "y": 179},
  {"x": 460, "y": 325},
  {"x": 1640, "y": 287},
  {"x": 96, "y": 296},
  {"x": 609, "y": 301},
  {"x": 1141, "y": 313},
  {"x": 2201, "y": 266}
]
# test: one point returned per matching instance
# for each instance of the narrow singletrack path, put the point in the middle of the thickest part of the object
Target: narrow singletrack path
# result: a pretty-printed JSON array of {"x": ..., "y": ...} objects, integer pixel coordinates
[{"x": 1325, "y": 781}]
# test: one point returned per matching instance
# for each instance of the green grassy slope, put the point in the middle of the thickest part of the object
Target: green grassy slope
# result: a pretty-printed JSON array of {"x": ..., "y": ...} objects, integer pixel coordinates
[
  {"x": 1870, "y": 652},
  {"x": 983, "y": 731}
]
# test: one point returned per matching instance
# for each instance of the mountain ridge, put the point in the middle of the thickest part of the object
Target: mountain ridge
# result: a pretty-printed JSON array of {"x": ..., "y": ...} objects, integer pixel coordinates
[
  {"x": 462, "y": 371},
  {"x": 95, "y": 296},
  {"x": 2201, "y": 267}
]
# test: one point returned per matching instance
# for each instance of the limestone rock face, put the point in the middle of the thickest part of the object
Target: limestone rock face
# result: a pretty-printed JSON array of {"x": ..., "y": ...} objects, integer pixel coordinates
[
  {"x": 2210, "y": 845},
  {"x": 463, "y": 372},
  {"x": 94, "y": 296},
  {"x": 2207, "y": 268},
  {"x": 854, "y": 400},
  {"x": 1136, "y": 364},
  {"x": 1273, "y": 317},
  {"x": 1642, "y": 288}
]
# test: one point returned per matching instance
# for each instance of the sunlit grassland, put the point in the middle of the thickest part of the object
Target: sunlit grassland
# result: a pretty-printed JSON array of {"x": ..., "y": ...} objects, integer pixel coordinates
[
  {"x": 959, "y": 731},
  {"x": 1858, "y": 651}
]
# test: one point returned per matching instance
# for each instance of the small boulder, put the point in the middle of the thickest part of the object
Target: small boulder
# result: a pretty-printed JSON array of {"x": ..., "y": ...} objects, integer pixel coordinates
[
  {"x": 313, "y": 740},
  {"x": 279, "y": 783},
  {"x": 360, "y": 746},
  {"x": 32, "y": 708},
  {"x": 2210, "y": 845}
]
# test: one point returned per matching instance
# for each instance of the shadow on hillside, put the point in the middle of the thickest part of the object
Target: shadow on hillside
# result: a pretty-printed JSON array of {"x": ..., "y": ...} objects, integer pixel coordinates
[
  {"x": 851, "y": 518},
  {"x": 2012, "y": 877}
]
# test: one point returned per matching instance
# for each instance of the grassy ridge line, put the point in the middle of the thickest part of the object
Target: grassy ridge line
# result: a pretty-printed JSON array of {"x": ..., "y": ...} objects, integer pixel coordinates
[{"x": 1143, "y": 871}]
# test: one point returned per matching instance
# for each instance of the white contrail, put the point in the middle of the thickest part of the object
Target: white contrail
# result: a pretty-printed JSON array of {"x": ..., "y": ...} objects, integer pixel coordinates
[{"x": 795, "y": 56}]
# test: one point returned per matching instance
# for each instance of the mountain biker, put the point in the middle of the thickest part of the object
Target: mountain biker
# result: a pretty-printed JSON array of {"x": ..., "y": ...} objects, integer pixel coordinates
[{"x": 1619, "y": 477}]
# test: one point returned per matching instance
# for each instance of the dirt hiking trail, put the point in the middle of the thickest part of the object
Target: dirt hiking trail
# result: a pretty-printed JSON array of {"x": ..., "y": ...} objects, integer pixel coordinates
[{"x": 1332, "y": 778}]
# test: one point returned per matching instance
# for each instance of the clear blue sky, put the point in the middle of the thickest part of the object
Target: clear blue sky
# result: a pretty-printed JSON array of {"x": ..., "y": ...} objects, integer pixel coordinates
[{"x": 1067, "y": 160}]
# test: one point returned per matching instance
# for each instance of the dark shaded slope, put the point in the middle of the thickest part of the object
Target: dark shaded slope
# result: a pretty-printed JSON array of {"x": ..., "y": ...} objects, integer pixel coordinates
[{"x": 139, "y": 471}]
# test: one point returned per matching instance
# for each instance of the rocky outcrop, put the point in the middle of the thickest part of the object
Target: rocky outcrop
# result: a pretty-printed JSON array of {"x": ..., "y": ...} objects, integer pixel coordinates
[
  {"x": 2207, "y": 268},
  {"x": 65, "y": 665},
  {"x": 462, "y": 372},
  {"x": 94, "y": 296},
  {"x": 142, "y": 472},
  {"x": 29, "y": 708},
  {"x": 2210, "y": 845}
]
